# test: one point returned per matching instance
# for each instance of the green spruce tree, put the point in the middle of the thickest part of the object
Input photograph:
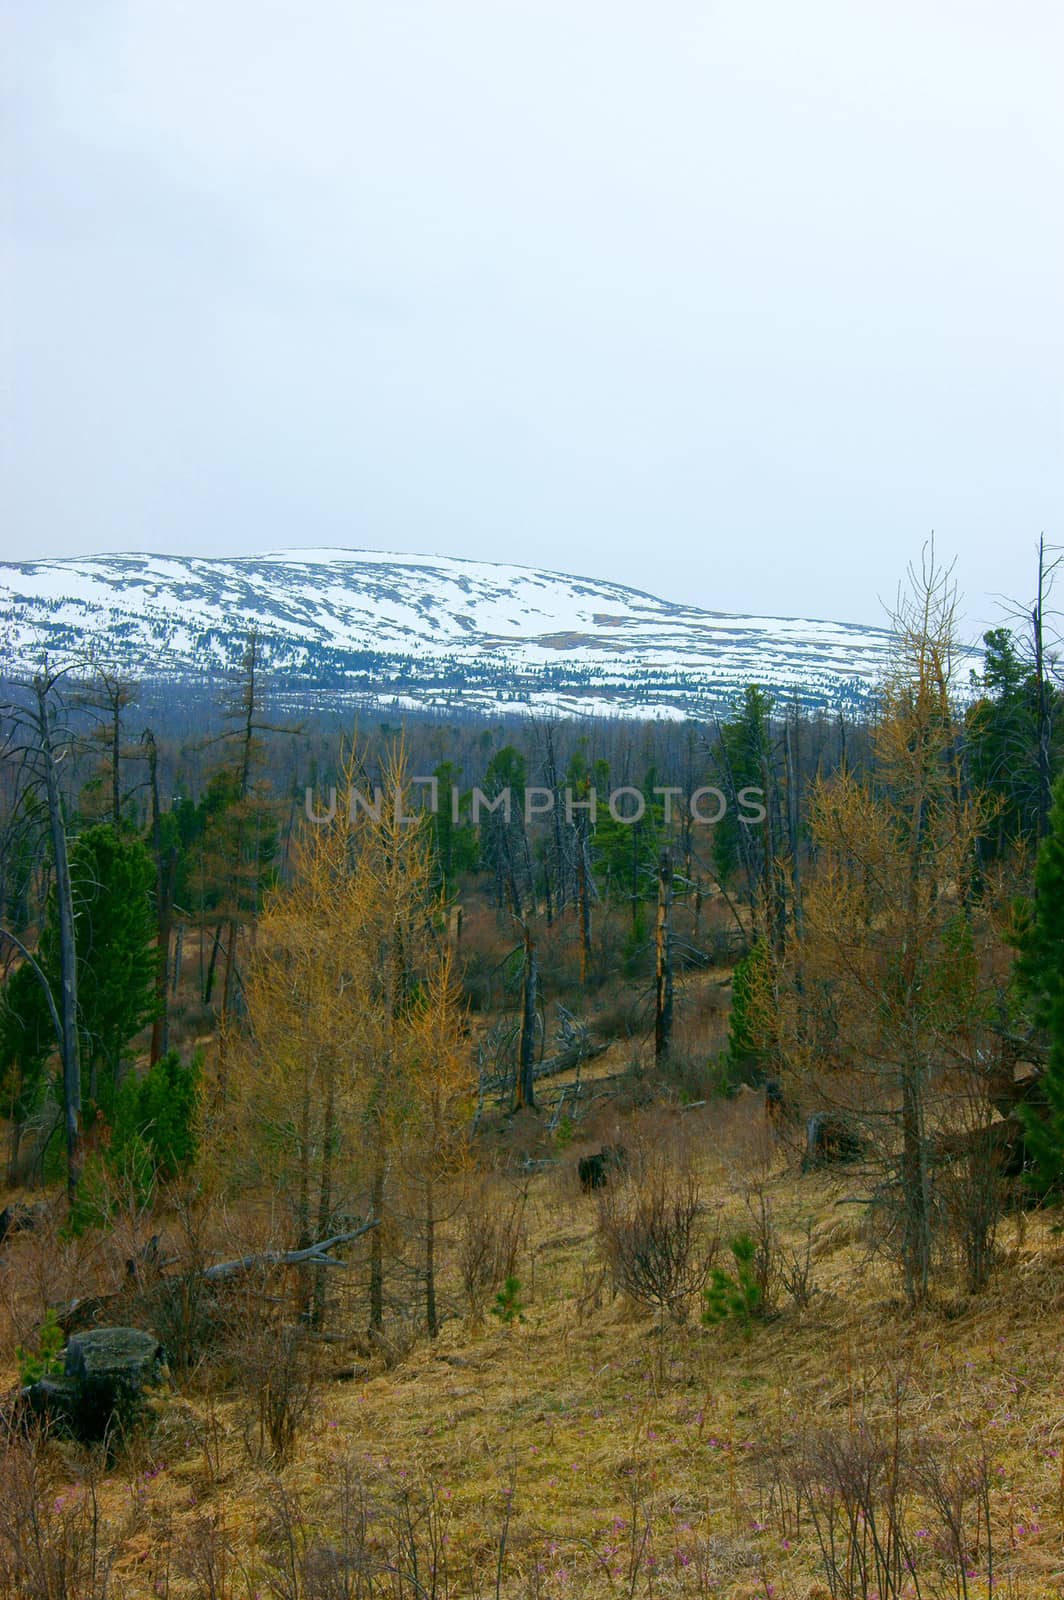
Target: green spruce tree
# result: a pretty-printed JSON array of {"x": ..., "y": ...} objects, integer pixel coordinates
[
  {"x": 112, "y": 879},
  {"x": 1040, "y": 971}
]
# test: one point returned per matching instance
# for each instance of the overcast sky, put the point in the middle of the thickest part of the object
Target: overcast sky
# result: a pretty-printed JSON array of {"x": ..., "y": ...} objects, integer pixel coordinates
[{"x": 732, "y": 300}]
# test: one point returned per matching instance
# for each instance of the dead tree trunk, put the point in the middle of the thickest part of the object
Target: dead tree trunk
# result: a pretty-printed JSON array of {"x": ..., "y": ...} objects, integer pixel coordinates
[
  {"x": 376, "y": 1251},
  {"x": 551, "y": 777},
  {"x": 68, "y": 1008},
  {"x": 164, "y": 876},
  {"x": 1043, "y": 708},
  {"x": 227, "y": 978},
  {"x": 793, "y": 816},
  {"x": 208, "y": 984},
  {"x": 179, "y": 950},
  {"x": 526, "y": 1065},
  {"x": 312, "y": 1254},
  {"x": 325, "y": 1201},
  {"x": 663, "y": 1007},
  {"x": 583, "y": 892},
  {"x": 432, "y": 1320}
]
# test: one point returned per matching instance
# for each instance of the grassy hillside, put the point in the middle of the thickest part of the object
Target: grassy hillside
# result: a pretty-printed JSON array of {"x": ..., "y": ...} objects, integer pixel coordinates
[{"x": 586, "y": 1448}]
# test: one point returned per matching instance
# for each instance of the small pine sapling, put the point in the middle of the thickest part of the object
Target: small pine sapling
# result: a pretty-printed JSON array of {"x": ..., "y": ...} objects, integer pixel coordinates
[
  {"x": 47, "y": 1360},
  {"x": 734, "y": 1299},
  {"x": 508, "y": 1307}
]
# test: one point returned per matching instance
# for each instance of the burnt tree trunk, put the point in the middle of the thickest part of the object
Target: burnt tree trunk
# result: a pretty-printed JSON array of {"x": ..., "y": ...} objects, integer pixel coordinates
[
  {"x": 663, "y": 1003},
  {"x": 68, "y": 1009},
  {"x": 208, "y": 983},
  {"x": 179, "y": 948},
  {"x": 317, "y": 1310},
  {"x": 165, "y": 868},
  {"x": 432, "y": 1321},
  {"x": 583, "y": 892},
  {"x": 1043, "y": 712},
  {"x": 526, "y": 1064},
  {"x": 376, "y": 1251}
]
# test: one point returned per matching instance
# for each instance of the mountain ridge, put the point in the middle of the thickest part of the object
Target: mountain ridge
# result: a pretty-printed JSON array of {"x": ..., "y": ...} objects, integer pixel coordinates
[{"x": 426, "y": 631}]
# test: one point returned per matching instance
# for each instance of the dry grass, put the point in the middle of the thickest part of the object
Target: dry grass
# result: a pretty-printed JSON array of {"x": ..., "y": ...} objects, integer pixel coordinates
[{"x": 604, "y": 1463}]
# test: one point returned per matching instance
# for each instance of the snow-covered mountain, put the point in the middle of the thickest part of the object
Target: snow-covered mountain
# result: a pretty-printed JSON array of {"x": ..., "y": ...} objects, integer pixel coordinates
[{"x": 424, "y": 631}]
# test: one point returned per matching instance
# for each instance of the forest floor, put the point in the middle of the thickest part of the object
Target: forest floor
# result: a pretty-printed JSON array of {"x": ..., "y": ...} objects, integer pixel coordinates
[{"x": 585, "y": 1450}]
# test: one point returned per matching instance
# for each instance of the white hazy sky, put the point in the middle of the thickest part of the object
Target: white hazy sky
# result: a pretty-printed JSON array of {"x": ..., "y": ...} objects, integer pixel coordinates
[{"x": 732, "y": 300}]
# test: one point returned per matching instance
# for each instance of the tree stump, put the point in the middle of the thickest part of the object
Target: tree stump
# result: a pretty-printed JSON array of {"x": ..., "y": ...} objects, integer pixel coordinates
[{"x": 106, "y": 1374}]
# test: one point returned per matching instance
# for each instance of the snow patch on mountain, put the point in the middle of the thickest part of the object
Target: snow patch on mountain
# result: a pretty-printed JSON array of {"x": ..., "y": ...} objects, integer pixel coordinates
[{"x": 420, "y": 631}]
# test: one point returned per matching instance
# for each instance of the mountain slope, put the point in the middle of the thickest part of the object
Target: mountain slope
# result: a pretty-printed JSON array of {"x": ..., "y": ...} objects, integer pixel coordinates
[{"x": 425, "y": 630}]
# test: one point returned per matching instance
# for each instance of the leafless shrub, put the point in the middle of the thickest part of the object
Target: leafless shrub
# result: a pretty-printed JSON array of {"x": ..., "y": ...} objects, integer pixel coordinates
[
  {"x": 488, "y": 1247},
  {"x": 973, "y": 1192},
  {"x": 956, "y": 1487},
  {"x": 207, "y": 1556},
  {"x": 386, "y": 1539},
  {"x": 395, "y": 1340},
  {"x": 47, "y": 1267},
  {"x": 762, "y": 1229},
  {"x": 590, "y": 1294},
  {"x": 185, "y": 1310},
  {"x": 620, "y": 1016},
  {"x": 53, "y": 1542},
  {"x": 893, "y": 1514},
  {"x": 795, "y": 1268},
  {"x": 687, "y": 1075},
  {"x": 647, "y": 1236},
  {"x": 277, "y": 1368}
]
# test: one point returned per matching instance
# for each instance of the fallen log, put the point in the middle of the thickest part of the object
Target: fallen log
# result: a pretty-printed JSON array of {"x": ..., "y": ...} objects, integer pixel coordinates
[
  {"x": 1002, "y": 1144},
  {"x": 314, "y": 1255},
  {"x": 85, "y": 1312},
  {"x": 566, "y": 1060}
]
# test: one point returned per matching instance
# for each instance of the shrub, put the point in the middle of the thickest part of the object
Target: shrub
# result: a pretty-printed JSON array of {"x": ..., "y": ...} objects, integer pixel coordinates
[
  {"x": 488, "y": 1247},
  {"x": 55, "y": 1540},
  {"x": 47, "y": 1360},
  {"x": 973, "y": 1190},
  {"x": 508, "y": 1307},
  {"x": 159, "y": 1111},
  {"x": 687, "y": 1076},
  {"x": 564, "y": 1133},
  {"x": 647, "y": 1236},
  {"x": 864, "y": 1484},
  {"x": 747, "y": 1028},
  {"x": 113, "y": 1182},
  {"x": 735, "y": 1298},
  {"x": 152, "y": 1138},
  {"x": 795, "y": 1269}
]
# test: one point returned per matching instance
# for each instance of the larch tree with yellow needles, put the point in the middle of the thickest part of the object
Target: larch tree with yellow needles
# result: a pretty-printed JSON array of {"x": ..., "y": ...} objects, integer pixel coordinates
[
  {"x": 435, "y": 1111},
  {"x": 351, "y": 1025},
  {"x": 884, "y": 980}
]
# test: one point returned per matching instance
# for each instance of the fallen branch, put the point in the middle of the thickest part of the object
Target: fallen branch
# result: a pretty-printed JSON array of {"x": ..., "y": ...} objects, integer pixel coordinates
[
  {"x": 84, "y": 1313},
  {"x": 1001, "y": 1144},
  {"x": 313, "y": 1255},
  {"x": 565, "y": 1060}
]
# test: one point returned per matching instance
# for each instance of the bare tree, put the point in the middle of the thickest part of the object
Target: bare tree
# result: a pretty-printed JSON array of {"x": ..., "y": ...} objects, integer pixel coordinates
[
  {"x": 525, "y": 1095},
  {"x": 663, "y": 988},
  {"x": 40, "y": 738},
  {"x": 165, "y": 868}
]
